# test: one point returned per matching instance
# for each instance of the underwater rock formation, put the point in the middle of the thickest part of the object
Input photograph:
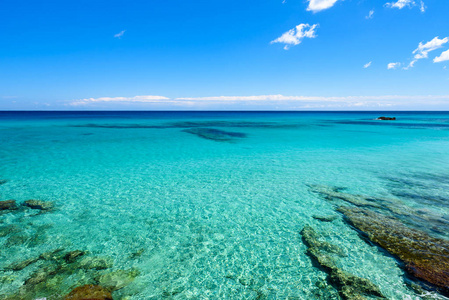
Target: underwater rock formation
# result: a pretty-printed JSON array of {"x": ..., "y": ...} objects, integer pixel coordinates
[
  {"x": 424, "y": 257},
  {"x": 39, "y": 204},
  {"x": 8, "y": 205},
  {"x": 325, "y": 218},
  {"x": 412, "y": 217},
  {"x": 89, "y": 291},
  {"x": 3, "y": 181},
  {"x": 349, "y": 287},
  {"x": 117, "y": 279},
  {"x": 215, "y": 134}
]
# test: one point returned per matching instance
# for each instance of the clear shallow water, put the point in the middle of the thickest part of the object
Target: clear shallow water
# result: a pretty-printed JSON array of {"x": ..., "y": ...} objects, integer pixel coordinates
[{"x": 212, "y": 218}]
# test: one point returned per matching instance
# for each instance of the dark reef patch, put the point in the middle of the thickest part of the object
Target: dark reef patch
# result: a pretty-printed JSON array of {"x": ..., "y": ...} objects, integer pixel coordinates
[
  {"x": 3, "y": 181},
  {"x": 215, "y": 134}
]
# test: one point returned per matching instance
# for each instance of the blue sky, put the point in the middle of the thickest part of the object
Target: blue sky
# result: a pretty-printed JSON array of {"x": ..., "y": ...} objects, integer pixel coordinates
[{"x": 273, "y": 54}]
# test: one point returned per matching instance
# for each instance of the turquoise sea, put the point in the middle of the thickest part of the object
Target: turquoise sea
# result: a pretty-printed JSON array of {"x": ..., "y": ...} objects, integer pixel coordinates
[{"x": 211, "y": 205}]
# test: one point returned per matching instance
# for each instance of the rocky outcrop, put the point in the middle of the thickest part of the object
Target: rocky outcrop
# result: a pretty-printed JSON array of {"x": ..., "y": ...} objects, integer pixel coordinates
[
  {"x": 89, "y": 292},
  {"x": 8, "y": 205},
  {"x": 39, "y": 204},
  {"x": 349, "y": 287},
  {"x": 424, "y": 257}
]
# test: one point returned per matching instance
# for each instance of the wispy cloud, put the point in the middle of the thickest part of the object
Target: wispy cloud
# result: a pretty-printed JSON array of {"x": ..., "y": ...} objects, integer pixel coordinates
[
  {"x": 296, "y": 35},
  {"x": 443, "y": 57},
  {"x": 318, "y": 5},
  {"x": 423, "y": 49},
  {"x": 266, "y": 102},
  {"x": 135, "y": 99},
  {"x": 367, "y": 65},
  {"x": 120, "y": 34},
  {"x": 392, "y": 66},
  {"x": 370, "y": 14},
  {"x": 400, "y": 4}
]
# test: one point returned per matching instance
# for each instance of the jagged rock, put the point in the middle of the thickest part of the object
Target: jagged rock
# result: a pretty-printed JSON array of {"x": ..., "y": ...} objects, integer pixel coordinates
[
  {"x": 313, "y": 240},
  {"x": 97, "y": 263},
  {"x": 424, "y": 257},
  {"x": 118, "y": 279},
  {"x": 52, "y": 255},
  {"x": 386, "y": 118},
  {"x": 42, "y": 274},
  {"x": 22, "y": 264},
  {"x": 39, "y": 204},
  {"x": 8, "y": 205},
  {"x": 89, "y": 292},
  {"x": 325, "y": 218},
  {"x": 9, "y": 229},
  {"x": 350, "y": 287},
  {"x": 73, "y": 255}
]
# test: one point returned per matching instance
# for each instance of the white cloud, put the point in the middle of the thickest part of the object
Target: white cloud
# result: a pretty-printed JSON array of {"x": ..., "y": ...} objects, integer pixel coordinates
[
  {"x": 135, "y": 99},
  {"x": 370, "y": 15},
  {"x": 443, "y": 57},
  {"x": 318, "y": 5},
  {"x": 268, "y": 102},
  {"x": 400, "y": 4},
  {"x": 423, "y": 49},
  {"x": 367, "y": 65},
  {"x": 120, "y": 34},
  {"x": 392, "y": 66},
  {"x": 296, "y": 35}
]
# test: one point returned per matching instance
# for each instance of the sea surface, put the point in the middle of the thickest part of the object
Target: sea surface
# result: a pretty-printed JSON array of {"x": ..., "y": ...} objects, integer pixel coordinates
[{"x": 211, "y": 205}]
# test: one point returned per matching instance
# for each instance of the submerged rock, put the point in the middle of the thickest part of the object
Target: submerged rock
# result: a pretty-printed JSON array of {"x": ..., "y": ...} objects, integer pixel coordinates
[
  {"x": 39, "y": 204},
  {"x": 349, "y": 287},
  {"x": 22, "y": 264},
  {"x": 8, "y": 205},
  {"x": 325, "y": 218},
  {"x": 97, "y": 263},
  {"x": 215, "y": 134},
  {"x": 424, "y": 257},
  {"x": 118, "y": 279},
  {"x": 3, "y": 181},
  {"x": 89, "y": 292},
  {"x": 72, "y": 256},
  {"x": 386, "y": 118}
]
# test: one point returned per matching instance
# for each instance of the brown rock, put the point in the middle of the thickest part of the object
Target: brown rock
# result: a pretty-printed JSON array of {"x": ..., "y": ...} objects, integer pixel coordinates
[
  {"x": 39, "y": 204},
  {"x": 424, "y": 257},
  {"x": 89, "y": 292},
  {"x": 73, "y": 255},
  {"x": 8, "y": 205}
]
